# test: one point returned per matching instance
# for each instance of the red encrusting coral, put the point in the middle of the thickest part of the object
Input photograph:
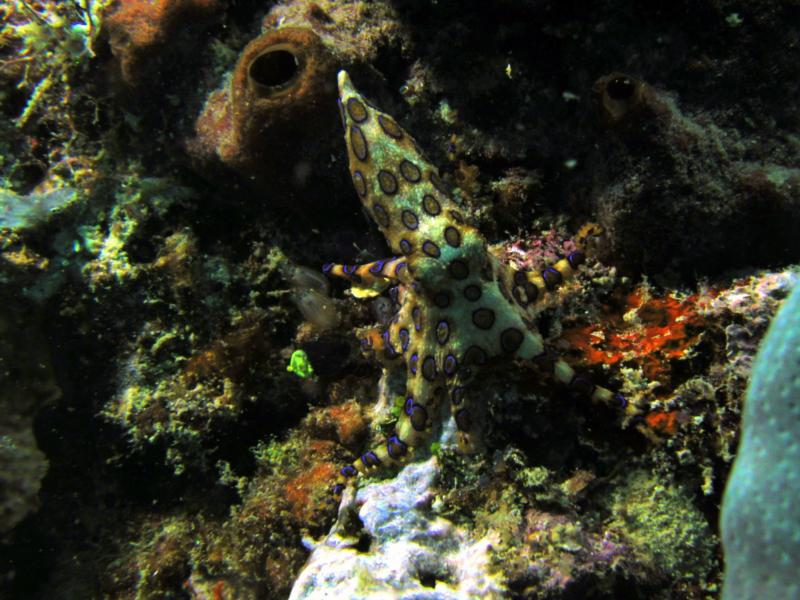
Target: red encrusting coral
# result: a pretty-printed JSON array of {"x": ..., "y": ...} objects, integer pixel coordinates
[
  {"x": 648, "y": 331},
  {"x": 665, "y": 422}
]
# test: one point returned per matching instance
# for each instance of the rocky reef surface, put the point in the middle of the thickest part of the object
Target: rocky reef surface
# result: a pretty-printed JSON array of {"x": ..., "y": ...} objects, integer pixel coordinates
[{"x": 173, "y": 176}]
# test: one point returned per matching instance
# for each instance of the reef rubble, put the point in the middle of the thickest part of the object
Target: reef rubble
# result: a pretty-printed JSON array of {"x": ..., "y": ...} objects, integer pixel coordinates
[{"x": 400, "y": 547}]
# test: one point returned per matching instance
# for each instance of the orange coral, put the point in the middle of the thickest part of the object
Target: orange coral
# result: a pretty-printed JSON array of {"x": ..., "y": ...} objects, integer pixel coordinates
[
  {"x": 311, "y": 483},
  {"x": 649, "y": 331},
  {"x": 665, "y": 422},
  {"x": 343, "y": 423},
  {"x": 138, "y": 28},
  {"x": 349, "y": 423}
]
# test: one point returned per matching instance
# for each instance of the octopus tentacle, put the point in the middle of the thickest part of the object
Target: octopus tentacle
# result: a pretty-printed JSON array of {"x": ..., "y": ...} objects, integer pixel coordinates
[{"x": 380, "y": 272}]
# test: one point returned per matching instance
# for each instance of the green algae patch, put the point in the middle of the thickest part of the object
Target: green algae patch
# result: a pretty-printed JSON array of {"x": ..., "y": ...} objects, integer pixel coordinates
[
  {"x": 663, "y": 526},
  {"x": 300, "y": 365}
]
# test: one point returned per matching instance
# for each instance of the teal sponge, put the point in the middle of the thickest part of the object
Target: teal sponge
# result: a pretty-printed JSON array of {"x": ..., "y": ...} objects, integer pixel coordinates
[{"x": 761, "y": 506}]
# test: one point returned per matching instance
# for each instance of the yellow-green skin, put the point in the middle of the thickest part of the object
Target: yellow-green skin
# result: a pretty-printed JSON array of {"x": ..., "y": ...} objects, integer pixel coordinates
[{"x": 459, "y": 307}]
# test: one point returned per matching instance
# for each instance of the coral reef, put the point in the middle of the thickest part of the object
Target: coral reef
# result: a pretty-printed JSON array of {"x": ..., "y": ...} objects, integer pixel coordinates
[
  {"x": 744, "y": 198},
  {"x": 172, "y": 180},
  {"x": 651, "y": 331},
  {"x": 47, "y": 50},
  {"x": 661, "y": 523},
  {"x": 52, "y": 39},
  {"x": 21, "y": 212},
  {"x": 282, "y": 503},
  {"x": 624, "y": 101}
]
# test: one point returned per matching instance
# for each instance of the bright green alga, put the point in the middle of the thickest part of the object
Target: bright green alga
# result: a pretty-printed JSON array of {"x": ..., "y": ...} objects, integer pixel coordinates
[{"x": 300, "y": 365}]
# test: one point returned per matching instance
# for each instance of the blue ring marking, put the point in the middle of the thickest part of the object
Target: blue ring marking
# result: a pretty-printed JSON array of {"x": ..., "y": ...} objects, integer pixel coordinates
[
  {"x": 370, "y": 459},
  {"x": 450, "y": 365},
  {"x": 401, "y": 450},
  {"x": 463, "y": 421},
  {"x": 414, "y": 414},
  {"x": 575, "y": 258},
  {"x": 583, "y": 385},
  {"x": 405, "y": 338},
  {"x": 555, "y": 278},
  {"x": 388, "y": 345},
  {"x": 442, "y": 332}
]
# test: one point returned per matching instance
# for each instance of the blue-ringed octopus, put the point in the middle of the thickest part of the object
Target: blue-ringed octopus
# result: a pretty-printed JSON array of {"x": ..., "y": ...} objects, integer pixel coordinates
[{"x": 458, "y": 306}]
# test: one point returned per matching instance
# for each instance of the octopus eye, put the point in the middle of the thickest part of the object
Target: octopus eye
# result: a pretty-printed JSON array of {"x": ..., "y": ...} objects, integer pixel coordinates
[
  {"x": 404, "y": 338},
  {"x": 450, "y": 365}
]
